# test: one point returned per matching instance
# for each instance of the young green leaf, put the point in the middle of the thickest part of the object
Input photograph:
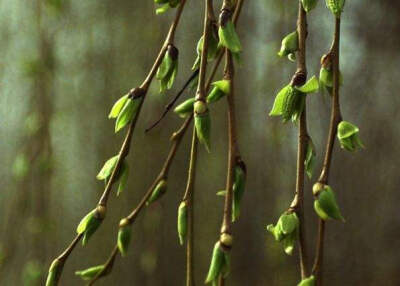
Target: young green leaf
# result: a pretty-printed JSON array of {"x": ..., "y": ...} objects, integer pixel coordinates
[
  {"x": 290, "y": 44},
  {"x": 123, "y": 180},
  {"x": 309, "y": 161},
  {"x": 90, "y": 223},
  {"x": 185, "y": 109},
  {"x": 229, "y": 38},
  {"x": 279, "y": 100},
  {"x": 158, "y": 191},
  {"x": 326, "y": 205},
  {"x": 108, "y": 168},
  {"x": 310, "y": 86},
  {"x": 124, "y": 236},
  {"x": 238, "y": 190},
  {"x": 164, "y": 8},
  {"x": 127, "y": 113},
  {"x": 217, "y": 262},
  {"x": 54, "y": 273},
  {"x": 117, "y": 107},
  {"x": 90, "y": 273},
  {"x": 348, "y": 135},
  {"x": 202, "y": 123}
]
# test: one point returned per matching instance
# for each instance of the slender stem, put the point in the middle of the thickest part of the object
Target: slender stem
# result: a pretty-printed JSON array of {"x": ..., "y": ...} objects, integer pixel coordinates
[
  {"x": 335, "y": 120},
  {"x": 188, "y": 198},
  {"x": 299, "y": 79},
  {"x": 201, "y": 91},
  {"x": 232, "y": 148},
  {"x": 126, "y": 144}
]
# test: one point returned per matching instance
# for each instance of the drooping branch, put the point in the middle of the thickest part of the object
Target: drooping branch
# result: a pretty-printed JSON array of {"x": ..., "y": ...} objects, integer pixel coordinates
[
  {"x": 298, "y": 80},
  {"x": 136, "y": 92},
  {"x": 336, "y": 117}
]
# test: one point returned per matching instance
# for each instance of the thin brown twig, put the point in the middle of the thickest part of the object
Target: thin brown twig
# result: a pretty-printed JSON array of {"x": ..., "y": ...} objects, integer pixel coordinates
[
  {"x": 299, "y": 79},
  {"x": 142, "y": 90},
  {"x": 335, "y": 120}
]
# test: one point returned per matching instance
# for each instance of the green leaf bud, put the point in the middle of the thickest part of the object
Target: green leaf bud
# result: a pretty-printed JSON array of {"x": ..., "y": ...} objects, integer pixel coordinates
[
  {"x": 227, "y": 33},
  {"x": 108, "y": 168},
  {"x": 286, "y": 231},
  {"x": 310, "y": 281},
  {"x": 128, "y": 112},
  {"x": 309, "y": 161},
  {"x": 220, "y": 89},
  {"x": 325, "y": 205},
  {"x": 348, "y": 135},
  {"x": 124, "y": 236},
  {"x": 168, "y": 68},
  {"x": 185, "y": 108},
  {"x": 289, "y": 104},
  {"x": 290, "y": 44},
  {"x": 90, "y": 223},
  {"x": 182, "y": 222},
  {"x": 202, "y": 123},
  {"x": 217, "y": 263},
  {"x": 90, "y": 273},
  {"x": 158, "y": 191},
  {"x": 336, "y": 7},
  {"x": 212, "y": 51},
  {"x": 117, "y": 107},
  {"x": 308, "y": 5},
  {"x": 238, "y": 189},
  {"x": 123, "y": 180},
  {"x": 54, "y": 272}
]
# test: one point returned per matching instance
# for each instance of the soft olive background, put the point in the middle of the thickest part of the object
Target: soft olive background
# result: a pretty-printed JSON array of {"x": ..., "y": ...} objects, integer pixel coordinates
[{"x": 64, "y": 63}]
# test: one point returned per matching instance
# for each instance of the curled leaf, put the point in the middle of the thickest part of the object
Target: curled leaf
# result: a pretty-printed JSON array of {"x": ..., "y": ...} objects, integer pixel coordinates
[
  {"x": 185, "y": 109},
  {"x": 124, "y": 237},
  {"x": 228, "y": 37},
  {"x": 90, "y": 273},
  {"x": 158, "y": 191},
  {"x": 217, "y": 263}
]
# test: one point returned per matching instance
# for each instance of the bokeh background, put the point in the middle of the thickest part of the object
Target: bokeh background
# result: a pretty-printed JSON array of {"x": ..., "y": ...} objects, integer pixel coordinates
[{"x": 64, "y": 63}]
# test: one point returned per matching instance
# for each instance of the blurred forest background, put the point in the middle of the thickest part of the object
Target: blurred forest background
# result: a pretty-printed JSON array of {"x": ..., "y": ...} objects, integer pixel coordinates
[{"x": 64, "y": 63}]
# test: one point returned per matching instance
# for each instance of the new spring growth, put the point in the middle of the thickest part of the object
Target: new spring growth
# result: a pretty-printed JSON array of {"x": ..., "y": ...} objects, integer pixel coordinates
[
  {"x": 348, "y": 136},
  {"x": 220, "y": 89},
  {"x": 165, "y": 5},
  {"x": 308, "y": 5},
  {"x": 238, "y": 188},
  {"x": 182, "y": 222},
  {"x": 90, "y": 273},
  {"x": 228, "y": 37},
  {"x": 309, "y": 161},
  {"x": 158, "y": 191},
  {"x": 289, "y": 102},
  {"x": 289, "y": 46},
  {"x": 326, "y": 73},
  {"x": 124, "y": 236},
  {"x": 213, "y": 47},
  {"x": 310, "y": 281},
  {"x": 202, "y": 123},
  {"x": 89, "y": 224},
  {"x": 286, "y": 230},
  {"x": 54, "y": 273},
  {"x": 336, "y": 7},
  {"x": 168, "y": 69},
  {"x": 125, "y": 108},
  {"x": 325, "y": 204},
  {"x": 220, "y": 260},
  {"x": 108, "y": 168}
]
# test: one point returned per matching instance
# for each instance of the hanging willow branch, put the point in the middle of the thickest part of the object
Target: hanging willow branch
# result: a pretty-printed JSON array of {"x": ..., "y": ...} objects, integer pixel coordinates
[{"x": 98, "y": 213}]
